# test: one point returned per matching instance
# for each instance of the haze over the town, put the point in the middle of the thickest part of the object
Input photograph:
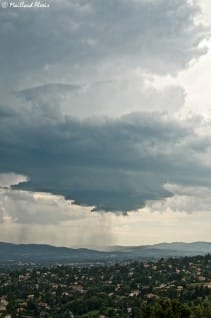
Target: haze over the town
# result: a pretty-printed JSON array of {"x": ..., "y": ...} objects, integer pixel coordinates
[{"x": 105, "y": 122}]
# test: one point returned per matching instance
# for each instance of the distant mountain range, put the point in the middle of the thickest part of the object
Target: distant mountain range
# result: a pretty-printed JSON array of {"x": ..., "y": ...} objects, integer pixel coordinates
[{"x": 47, "y": 254}]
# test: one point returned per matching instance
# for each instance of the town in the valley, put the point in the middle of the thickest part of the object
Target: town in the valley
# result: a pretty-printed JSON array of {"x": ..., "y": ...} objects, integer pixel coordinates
[{"x": 171, "y": 288}]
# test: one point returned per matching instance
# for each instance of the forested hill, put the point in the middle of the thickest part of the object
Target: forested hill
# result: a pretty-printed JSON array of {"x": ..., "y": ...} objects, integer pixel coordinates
[{"x": 38, "y": 253}]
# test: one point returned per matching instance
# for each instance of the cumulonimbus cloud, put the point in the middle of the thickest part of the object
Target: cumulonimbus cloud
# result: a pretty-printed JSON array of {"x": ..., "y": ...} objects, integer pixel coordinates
[{"x": 111, "y": 164}]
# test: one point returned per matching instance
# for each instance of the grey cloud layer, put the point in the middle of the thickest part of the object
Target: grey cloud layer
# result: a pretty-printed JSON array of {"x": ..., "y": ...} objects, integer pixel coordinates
[
  {"x": 113, "y": 164},
  {"x": 111, "y": 98},
  {"x": 79, "y": 39}
]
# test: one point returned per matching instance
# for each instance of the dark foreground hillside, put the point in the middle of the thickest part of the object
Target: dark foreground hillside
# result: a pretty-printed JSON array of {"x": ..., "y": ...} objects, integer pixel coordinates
[{"x": 165, "y": 288}]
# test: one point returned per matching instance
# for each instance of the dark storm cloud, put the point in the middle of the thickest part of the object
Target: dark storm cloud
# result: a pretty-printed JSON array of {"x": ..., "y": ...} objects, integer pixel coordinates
[
  {"x": 73, "y": 38},
  {"x": 109, "y": 164},
  {"x": 113, "y": 164}
]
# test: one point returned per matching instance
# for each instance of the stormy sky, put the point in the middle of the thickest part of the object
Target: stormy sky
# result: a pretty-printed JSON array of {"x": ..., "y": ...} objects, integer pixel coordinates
[{"x": 105, "y": 122}]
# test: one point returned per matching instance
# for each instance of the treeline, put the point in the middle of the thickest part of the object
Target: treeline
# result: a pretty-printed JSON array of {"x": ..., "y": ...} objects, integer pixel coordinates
[
  {"x": 163, "y": 308},
  {"x": 167, "y": 308}
]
